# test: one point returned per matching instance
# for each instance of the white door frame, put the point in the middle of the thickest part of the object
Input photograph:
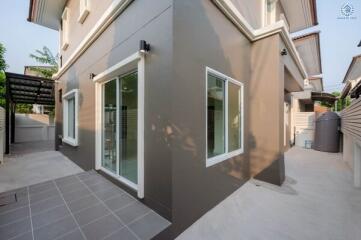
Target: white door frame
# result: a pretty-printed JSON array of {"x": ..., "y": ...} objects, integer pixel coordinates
[{"x": 138, "y": 60}]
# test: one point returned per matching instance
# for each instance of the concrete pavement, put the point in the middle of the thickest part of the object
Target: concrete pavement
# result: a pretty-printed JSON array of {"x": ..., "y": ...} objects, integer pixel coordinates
[{"x": 317, "y": 201}]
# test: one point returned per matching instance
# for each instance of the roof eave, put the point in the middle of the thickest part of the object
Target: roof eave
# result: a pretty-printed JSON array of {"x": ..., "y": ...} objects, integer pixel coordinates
[
  {"x": 354, "y": 59},
  {"x": 314, "y": 12},
  {"x": 304, "y": 37},
  {"x": 31, "y": 7}
]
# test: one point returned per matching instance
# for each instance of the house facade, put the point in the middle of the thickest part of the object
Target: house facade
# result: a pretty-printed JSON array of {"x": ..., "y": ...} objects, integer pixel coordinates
[
  {"x": 179, "y": 102},
  {"x": 350, "y": 119}
]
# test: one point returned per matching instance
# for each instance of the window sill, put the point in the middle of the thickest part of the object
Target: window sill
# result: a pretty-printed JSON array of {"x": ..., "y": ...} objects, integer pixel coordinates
[
  {"x": 65, "y": 46},
  {"x": 70, "y": 141},
  {"x": 83, "y": 16},
  {"x": 221, "y": 158}
]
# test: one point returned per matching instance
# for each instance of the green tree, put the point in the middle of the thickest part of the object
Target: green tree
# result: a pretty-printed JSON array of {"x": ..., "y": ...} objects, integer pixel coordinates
[
  {"x": 340, "y": 104},
  {"x": 46, "y": 58},
  {"x": 3, "y": 67},
  {"x": 49, "y": 67}
]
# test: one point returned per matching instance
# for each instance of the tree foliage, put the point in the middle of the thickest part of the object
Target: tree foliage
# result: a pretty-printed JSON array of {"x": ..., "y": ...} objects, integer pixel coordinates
[
  {"x": 3, "y": 67},
  {"x": 46, "y": 58},
  {"x": 340, "y": 104}
]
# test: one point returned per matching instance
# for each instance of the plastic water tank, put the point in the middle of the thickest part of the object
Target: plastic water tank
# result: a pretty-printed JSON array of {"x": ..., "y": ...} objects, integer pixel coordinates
[{"x": 327, "y": 134}]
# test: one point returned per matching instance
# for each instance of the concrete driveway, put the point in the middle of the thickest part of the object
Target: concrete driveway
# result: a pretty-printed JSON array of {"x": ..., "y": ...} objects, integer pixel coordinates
[
  {"x": 32, "y": 163},
  {"x": 317, "y": 201}
]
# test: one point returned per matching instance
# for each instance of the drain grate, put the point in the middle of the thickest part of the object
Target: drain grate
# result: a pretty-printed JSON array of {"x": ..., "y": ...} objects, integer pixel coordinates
[{"x": 8, "y": 199}]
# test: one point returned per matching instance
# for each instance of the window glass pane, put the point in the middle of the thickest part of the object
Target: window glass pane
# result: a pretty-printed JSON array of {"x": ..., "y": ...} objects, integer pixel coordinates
[
  {"x": 216, "y": 115},
  {"x": 71, "y": 117},
  {"x": 128, "y": 167},
  {"x": 109, "y": 126},
  {"x": 234, "y": 117}
]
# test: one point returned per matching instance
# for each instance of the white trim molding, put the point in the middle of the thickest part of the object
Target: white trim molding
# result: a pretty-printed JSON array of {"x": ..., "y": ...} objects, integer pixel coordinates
[
  {"x": 138, "y": 60},
  {"x": 69, "y": 140},
  {"x": 113, "y": 11},
  {"x": 227, "y": 155},
  {"x": 280, "y": 27}
]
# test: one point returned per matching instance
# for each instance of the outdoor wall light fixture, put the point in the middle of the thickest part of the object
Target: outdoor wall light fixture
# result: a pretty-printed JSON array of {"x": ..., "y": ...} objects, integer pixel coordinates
[
  {"x": 144, "y": 46},
  {"x": 92, "y": 76},
  {"x": 359, "y": 45},
  {"x": 284, "y": 52}
]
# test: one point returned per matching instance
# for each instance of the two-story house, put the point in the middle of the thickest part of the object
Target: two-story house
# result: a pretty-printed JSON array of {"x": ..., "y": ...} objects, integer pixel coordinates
[{"x": 179, "y": 101}]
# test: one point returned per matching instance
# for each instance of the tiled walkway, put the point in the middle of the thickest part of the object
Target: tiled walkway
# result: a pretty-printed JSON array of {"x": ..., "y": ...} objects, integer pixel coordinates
[{"x": 82, "y": 206}]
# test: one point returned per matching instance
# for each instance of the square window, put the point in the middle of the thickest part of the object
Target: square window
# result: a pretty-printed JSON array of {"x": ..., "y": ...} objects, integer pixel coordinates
[
  {"x": 234, "y": 117},
  {"x": 216, "y": 116},
  {"x": 84, "y": 10},
  {"x": 224, "y": 117},
  {"x": 65, "y": 29},
  {"x": 70, "y": 117}
]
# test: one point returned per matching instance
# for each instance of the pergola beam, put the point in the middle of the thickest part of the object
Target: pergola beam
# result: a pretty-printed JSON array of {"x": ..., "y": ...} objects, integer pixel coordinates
[{"x": 30, "y": 89}]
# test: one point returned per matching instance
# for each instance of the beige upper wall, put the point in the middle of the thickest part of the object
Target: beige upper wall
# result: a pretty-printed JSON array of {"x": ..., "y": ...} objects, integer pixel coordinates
[
  {"x": 77, "y": 30},
  {"x": 252, "y": 10}
]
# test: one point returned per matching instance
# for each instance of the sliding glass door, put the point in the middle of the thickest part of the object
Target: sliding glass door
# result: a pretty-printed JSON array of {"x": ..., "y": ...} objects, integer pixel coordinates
[{"x": 120, "y": 127}]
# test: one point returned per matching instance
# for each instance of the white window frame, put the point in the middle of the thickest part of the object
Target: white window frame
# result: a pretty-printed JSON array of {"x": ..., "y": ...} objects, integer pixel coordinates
[
  {"x": 227, "y": 155},
  {"x": 266, "y": 14},
  {"x": 65, "y": 29},
  {"x": 112, "y": 73},
  {"x": 84, "y": 8},
  {"x": 69, "y": 140}
]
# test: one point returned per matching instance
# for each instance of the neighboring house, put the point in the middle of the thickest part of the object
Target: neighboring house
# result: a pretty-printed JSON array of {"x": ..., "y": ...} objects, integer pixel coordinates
[
  {"x": 184, "y": 122},
  {"x": 351, "y": 119},
  {"x": 28, "y": 70}
]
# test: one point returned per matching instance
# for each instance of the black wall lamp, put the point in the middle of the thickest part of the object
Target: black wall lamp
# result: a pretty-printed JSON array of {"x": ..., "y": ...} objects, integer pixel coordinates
[
  {"x": 284, "y": 52},
  {"x": 92, "y": 76},
  {"x": 359, "y": 45},
  {"x": 144, "y": 46}
]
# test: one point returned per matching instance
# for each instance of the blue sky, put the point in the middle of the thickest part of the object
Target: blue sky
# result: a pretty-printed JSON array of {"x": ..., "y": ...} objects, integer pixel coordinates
[
  {"x": 21, "y": 37},
  {"x": 339, "y": 37},
  {"x": 339, "y": 40}
]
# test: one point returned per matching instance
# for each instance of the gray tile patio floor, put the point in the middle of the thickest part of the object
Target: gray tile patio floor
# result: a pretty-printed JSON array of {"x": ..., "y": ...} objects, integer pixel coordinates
[{"x": 82, "y": 206}]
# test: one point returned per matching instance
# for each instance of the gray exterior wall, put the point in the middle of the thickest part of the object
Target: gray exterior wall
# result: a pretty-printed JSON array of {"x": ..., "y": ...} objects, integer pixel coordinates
[
  {"x": 216, "y": 43},
  {"x": 118, "y": 42},
  {"x": 267, "y": 111},
  {"x": 187, "y": 36}
]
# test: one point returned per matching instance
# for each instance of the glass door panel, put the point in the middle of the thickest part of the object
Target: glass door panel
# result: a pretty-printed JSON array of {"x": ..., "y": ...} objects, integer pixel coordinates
[
  {"x": 128, "y": 132},
  {"x": 109, "y": 159},
  {"x": 120, "y": 127}
]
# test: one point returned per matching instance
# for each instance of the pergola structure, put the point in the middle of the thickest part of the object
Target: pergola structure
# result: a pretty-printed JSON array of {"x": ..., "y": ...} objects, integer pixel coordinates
[
  {"x": 325, "y": 97},
  {"x": 24, "y": 89}
]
